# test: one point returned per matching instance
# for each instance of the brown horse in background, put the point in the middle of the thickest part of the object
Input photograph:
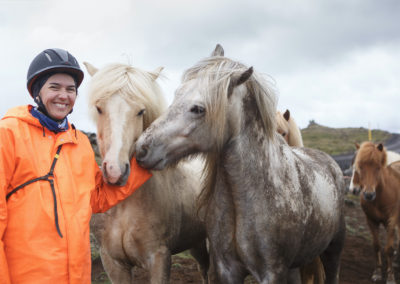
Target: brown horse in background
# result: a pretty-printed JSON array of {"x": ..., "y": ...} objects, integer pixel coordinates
[
  {"x": 391, "y": 157},
  {"x": 380, "y": 200}
]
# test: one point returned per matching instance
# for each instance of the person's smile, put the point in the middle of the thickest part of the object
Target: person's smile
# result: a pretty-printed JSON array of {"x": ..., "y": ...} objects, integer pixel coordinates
[{"x": 58, "y": 95}]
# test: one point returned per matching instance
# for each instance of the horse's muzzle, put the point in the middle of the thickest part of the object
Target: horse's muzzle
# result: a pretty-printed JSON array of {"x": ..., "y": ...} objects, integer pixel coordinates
[
  {"x": 122, "y": 178},
  {"x": 369, "y": 196}
]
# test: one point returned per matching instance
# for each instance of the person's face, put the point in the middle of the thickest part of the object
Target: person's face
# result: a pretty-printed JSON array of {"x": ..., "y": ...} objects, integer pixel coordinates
[{"x": 58, "y": 95}]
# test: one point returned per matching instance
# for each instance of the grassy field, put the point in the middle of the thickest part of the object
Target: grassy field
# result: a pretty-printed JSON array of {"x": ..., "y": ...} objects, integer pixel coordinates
[{"x": 336, "y": 141}]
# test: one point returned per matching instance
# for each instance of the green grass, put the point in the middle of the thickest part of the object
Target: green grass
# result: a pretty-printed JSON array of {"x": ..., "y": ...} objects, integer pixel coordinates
[{"x": 336, "y": 141}]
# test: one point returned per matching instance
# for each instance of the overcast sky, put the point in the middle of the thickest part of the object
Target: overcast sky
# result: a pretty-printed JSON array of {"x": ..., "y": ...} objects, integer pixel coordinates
[{"x": 336, "y": 62}]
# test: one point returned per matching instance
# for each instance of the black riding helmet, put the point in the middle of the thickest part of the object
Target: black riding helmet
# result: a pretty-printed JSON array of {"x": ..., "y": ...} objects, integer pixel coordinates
[{"x": 53, "y": 60}]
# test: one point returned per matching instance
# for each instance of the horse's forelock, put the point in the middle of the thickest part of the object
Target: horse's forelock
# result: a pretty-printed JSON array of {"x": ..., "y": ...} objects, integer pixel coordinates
[
  {"x": 131, "y": 83},
  {"x": 368, "y": 153}
]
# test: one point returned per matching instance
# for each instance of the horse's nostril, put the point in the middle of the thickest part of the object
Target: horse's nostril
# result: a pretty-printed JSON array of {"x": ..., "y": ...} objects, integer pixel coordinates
[
  {"x": 369, "y": 196},
  {"x": 104, "y": 169},
  {"x": 141, "y": 153}
]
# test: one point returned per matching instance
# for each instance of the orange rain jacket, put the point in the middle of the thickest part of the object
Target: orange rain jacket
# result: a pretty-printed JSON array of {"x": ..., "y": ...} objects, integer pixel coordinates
[{"x": 31, "y": 250}]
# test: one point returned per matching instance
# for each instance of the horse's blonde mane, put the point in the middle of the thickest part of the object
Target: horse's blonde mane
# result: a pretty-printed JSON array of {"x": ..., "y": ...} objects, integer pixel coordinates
[
  {"x": 295, "y": 137},
  {"x": 133, "y": 84},
  {"x": 214, "y": 76},
  {"x": 369, "y": 153}
]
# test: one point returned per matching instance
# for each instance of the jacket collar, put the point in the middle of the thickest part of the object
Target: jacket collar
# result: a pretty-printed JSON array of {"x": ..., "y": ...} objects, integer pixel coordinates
[{"x": 23, "y": 113}]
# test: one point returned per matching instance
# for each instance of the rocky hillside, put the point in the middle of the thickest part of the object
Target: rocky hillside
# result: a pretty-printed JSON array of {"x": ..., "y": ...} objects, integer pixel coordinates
[{"x": 336, "y": 141}]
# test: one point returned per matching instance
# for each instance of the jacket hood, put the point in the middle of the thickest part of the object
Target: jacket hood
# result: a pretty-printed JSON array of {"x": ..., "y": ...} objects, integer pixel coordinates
[{"x": 23, "y": 113}]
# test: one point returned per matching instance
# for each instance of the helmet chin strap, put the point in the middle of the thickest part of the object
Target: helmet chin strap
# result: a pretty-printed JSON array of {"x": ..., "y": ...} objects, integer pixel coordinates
[{"x": 41, "y": 107}]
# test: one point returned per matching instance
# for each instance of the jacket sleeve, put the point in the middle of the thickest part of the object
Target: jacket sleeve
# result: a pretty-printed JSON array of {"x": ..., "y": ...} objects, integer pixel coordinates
[
  {"x": 105, "y": 196},
  {"x": 7, "y": 164}
]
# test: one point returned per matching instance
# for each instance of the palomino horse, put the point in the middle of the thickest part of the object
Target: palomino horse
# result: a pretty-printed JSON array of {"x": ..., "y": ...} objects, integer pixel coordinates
[
  {"x": 287, "y": 127},
  {"x": 159, "y": 219},
  {"x": 312, "y": 273},
  {"x": 380, "y": 200},
  {"x": 354, "y": 186},
  {"x": 268, "y": 207}
]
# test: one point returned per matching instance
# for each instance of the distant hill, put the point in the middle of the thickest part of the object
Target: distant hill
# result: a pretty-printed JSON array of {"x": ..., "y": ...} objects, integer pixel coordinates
[{"x": 335, "y": 141}]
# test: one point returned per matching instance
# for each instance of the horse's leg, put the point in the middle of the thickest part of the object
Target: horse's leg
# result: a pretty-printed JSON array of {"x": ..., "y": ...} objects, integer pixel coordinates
[
  {"x": 281, "y": 274},
  {"x": 294, "y": 277},
  {"x": 389, "y": 252},
  {"x": 313, "y": 273},
  {"x": 160, "y": 266},
  {"x": 331, "y": 256},
  {"x": 374, "y": 228},
  {"x": 200, "y": 253},
  {"x": 396, "y": 253},
  {"x": 222, "y": 272},
  {"x": 116, "y": 271}
]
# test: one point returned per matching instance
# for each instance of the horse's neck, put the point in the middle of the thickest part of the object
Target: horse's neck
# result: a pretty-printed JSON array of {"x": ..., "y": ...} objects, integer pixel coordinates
[
  {"x": 183, "y": 180},
  {"x": 389, "y": 178},
  {"x": 251, "y": 159}
]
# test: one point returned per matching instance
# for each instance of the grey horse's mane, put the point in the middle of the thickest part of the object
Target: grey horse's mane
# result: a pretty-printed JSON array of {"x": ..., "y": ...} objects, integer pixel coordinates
[
  {"x": 214, "y": 75},
  {"x": 131, "y": 83}
]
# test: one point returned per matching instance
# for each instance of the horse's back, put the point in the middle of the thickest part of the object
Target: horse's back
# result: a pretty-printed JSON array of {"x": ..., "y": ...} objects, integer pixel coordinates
[
  {"x": 319, "y": 161},
  {"x": 395, "y": 166},
  {"x": 323, "y": 189},
  {"x": 325, "y": 186},
  {"x": 392, "y": 157}
]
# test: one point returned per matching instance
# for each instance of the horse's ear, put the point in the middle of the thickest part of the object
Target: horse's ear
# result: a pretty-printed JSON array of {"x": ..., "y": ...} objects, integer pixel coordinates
[
  {"x": 380, "y": 147},
  {"x": 239, "y": 78},
  {"x": 286, "y": 115},
  {"x": 90, "y": 68},
  {"x": 218, "y": 51},
  {"x": 357, "y": 145},
  {"x": 242, "y": 77},
  {"x": 156, "y": 73}
]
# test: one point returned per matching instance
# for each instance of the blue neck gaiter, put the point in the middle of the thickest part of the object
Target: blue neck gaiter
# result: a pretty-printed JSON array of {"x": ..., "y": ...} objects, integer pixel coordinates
[{"x": 49, "y": 123}]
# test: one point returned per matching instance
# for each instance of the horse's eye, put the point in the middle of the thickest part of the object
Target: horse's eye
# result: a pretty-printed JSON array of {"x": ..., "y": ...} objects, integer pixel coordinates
[
  {"x": 99, "y": 110},
  {"x": 197, "y": 109},
  {"x": 141, "y": 112},
  {"x": 284, "y": 134}
]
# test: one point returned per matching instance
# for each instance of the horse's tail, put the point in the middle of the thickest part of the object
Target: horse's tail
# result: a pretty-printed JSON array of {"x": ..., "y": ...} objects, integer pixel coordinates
[{"x": 313, "y": 273}]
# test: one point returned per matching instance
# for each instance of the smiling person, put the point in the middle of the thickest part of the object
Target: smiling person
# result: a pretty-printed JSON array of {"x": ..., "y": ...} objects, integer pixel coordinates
[{"x": 50, "y": 183}]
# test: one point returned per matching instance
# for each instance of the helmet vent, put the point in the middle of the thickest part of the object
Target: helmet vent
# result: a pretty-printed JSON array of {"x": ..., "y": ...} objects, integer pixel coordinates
[{"x": 48, "y": 57}]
